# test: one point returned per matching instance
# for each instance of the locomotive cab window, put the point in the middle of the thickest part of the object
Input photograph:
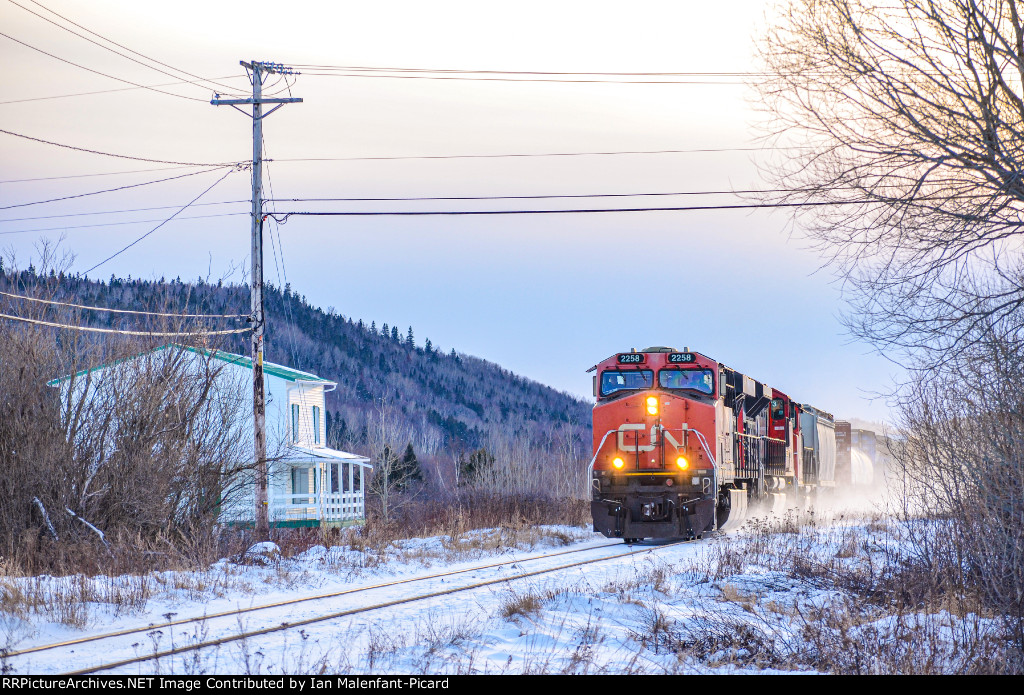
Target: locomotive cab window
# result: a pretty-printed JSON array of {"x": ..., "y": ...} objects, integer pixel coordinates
[
  {"x": 700, "y": 380},
  {"x": 633, "y": 380},
  {"x": 778, "y": 409}
]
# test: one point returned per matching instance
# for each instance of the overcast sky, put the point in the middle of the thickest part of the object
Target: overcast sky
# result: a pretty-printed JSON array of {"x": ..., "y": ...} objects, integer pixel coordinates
[{"x": 546, "y": 296}]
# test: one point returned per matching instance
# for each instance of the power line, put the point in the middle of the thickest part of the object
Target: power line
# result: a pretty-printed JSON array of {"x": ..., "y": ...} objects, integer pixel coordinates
[
  {"x": 276, "y": 231},
  {"x": 85, "y": 176},
  {"x": 354, "y": 68},
  {"x": 123, "y": 311},
  {"x": 107, "y": 48},
  {"x": 106, "y": 91},
  {"x": 534, "y": 154},
  {"x": 282, "y": 217},
  {"x": 118, "y": 253},
  {"x": 111, "y": 190},
  {"x": 161, "y": 334},
  {"x": 116, "y": 224},
  {"x": 97, "y": 72},
  {"x": 530, "y": 197},
  {"x": 121, "y": 156},
  {"x": 116, "y": 212},
  {"x": 515, "y": 79}
]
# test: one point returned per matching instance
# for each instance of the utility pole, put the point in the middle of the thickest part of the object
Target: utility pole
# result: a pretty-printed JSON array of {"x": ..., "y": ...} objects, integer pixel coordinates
[{"x": 257, "y": 73}]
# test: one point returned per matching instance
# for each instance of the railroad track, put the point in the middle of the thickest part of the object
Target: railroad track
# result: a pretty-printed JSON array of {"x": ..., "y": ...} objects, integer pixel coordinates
[{"x": 295, "y": 624}]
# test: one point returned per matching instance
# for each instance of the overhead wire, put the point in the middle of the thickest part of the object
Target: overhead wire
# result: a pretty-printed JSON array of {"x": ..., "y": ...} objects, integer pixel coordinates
[
  {"x": 710, "y": 78},
  {"x": 276, "y": 231},
  {"x": 111, "y": 190},
  {"x": 104, "y": 173},
  {"x": 97, "y": 72},
  {"x": 272, "y": 199},
  {"x": 105, "y": 91},
  {"x": 110, "y": 41},
  {"x": 121, "y": 156},
  {"x": 751, "y": 191},
  {"x": 514, "y": 79},
  {"x": 115, "y": 224},
  {"x": 282, "y": 216},
  {"x": 91, "y": 329},
  {"x": 122, "y": 311},
  {"x": 182, "y": 209},
  {"x": 116, "y": 212},
  {"x": 518, "y": 155},
  {"x": 529, "y": 72}
]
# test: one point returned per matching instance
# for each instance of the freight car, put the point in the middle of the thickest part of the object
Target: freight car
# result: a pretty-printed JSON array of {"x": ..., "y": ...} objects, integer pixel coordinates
[{"x": 684, "y": 444}]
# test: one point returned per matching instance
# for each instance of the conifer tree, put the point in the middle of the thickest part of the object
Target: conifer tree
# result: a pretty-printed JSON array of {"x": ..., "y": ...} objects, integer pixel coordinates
[
  {"x": 394, "y": 334},
  {"x": 409, "y": 341},
  {"x": 410, "y": 466},
  {"x": 473, "y": 466}
]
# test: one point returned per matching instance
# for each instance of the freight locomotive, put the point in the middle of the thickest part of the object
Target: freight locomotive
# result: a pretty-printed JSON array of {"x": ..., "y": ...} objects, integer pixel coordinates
[{"x": 684, "y": 445}]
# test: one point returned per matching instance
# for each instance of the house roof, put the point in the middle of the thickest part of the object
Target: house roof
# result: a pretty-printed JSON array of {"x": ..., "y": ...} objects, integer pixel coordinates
[
  {"x": 302, "y": 454},
  {"x": 269, "y": 368}
]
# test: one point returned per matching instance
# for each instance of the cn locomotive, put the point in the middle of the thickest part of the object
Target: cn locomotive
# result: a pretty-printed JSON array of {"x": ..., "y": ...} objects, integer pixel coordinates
[{"x": 684, "y": 445}]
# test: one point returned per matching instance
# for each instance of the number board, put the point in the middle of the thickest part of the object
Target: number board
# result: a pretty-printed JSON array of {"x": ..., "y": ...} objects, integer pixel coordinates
[
  {"x": 681, "y": 357},
  {"x": 632, "y": 358}
]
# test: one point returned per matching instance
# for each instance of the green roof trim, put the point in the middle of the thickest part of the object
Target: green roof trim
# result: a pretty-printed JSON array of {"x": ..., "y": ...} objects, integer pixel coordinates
[{"x": 269, "y": 368}]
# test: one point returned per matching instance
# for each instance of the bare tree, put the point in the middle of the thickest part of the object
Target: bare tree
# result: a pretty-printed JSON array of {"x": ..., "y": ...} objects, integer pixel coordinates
[
  {"x": 902, "y": 128},
  {"x": 902, "y": 124},
  {"x": 145, "y": 448},
  {"x": 961, "y": 458},
  {"x": 392, "y": 484}
]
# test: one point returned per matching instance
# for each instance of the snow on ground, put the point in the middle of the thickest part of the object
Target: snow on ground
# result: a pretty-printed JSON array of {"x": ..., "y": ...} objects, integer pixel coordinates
[{"x": 748, "y": 602}]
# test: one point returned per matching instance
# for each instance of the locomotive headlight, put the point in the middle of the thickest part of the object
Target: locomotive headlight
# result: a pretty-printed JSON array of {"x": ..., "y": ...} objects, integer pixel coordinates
[
  {"x": 682, "y": 463},
  {"x": 618, "y": 462},
  {"x": 652, "y": 405}
]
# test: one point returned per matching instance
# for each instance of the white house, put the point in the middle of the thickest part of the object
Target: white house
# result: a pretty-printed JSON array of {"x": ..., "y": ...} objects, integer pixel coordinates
[{"x": 309, "y": 484}]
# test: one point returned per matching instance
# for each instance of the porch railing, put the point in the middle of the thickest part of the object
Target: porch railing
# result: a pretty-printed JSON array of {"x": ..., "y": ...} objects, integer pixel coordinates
[{"x": 333, "y": 506}]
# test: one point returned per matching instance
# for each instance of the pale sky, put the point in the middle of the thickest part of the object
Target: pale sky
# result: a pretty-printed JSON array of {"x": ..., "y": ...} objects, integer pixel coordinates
[{"x": 546, "y": 296}]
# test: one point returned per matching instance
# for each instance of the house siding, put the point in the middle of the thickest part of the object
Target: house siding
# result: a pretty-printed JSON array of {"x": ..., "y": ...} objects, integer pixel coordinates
[{"x": 306, "y": 396}]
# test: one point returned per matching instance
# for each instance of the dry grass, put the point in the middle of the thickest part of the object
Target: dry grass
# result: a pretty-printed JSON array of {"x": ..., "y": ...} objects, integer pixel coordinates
[
  {"x": 72, "y": 584},
  {"x": 864, "y": 606},
  {"x": 528, "y": 605}
]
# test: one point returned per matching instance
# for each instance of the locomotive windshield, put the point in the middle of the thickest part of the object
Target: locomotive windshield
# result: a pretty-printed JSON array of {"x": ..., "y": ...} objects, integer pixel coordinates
[
  {"x": 689, "y": 379},
  {"x": 633, "y": 380}
]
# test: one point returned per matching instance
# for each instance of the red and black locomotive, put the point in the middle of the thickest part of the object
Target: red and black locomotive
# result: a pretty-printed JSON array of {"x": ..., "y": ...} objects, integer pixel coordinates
[{"x": 684, "y": 445}]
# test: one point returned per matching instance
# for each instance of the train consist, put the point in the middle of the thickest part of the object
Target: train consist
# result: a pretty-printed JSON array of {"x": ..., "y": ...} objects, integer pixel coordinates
[{"x": 684, "y": 445}]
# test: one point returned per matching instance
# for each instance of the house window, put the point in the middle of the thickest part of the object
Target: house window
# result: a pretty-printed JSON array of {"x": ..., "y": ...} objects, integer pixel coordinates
[
  {"x": 316, "y": 424},
  {"x": 295, "y": 422},
  {"x": 304, "y": 482},
  {"x": 300, "y": 481}
]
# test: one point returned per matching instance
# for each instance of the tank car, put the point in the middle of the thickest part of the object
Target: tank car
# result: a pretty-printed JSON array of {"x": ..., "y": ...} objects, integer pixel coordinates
[{"x": 684, "y": 444}]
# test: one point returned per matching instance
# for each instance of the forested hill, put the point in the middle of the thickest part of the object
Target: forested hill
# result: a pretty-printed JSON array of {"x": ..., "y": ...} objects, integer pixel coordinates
[{"x": 446, "y": 399}]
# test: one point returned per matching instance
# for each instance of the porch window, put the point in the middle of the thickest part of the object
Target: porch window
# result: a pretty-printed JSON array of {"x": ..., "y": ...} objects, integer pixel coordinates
[{"x": 304, "y": 483}]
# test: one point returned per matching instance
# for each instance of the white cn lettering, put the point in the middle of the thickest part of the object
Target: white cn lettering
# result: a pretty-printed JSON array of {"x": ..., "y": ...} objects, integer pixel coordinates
[
  {"x": 637, "y": 427},
  {"x": 672, "y": 440},
  {"x": 636, "y": 447}
]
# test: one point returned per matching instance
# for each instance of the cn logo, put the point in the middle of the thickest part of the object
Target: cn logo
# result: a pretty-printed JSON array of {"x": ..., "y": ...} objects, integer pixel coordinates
[{"x": 637, "y": 427}]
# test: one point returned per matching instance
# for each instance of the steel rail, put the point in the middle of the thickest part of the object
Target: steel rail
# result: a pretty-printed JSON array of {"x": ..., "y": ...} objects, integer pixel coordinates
[
  {"x": 353, "y": 611},
  {"x": 289, "y": 602}
]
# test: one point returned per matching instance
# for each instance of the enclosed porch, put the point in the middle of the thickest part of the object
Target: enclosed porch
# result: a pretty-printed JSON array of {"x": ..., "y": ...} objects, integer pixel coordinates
[{"x": 319, "y": 486}]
